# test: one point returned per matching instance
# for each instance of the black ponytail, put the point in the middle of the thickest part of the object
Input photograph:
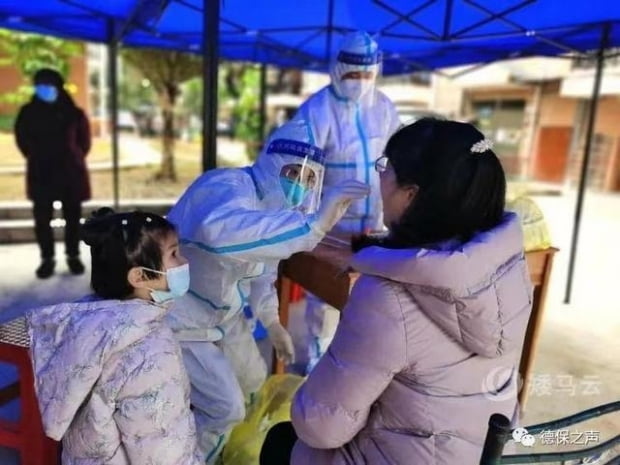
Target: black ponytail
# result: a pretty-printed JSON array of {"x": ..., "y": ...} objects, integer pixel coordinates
[{"x": 460, "y": 191}]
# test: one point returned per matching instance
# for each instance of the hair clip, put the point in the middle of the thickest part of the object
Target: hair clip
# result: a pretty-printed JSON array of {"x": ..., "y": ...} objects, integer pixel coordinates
[
  {"x": 481, "y": 146},
  {"x": 124, "y": 223}
]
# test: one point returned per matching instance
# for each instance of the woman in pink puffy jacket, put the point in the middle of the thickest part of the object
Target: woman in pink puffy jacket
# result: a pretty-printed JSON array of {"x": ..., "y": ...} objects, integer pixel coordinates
[{"x": 429, "y": 343}]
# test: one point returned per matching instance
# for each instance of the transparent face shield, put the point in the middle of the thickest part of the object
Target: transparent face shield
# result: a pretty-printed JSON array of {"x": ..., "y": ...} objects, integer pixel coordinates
[{"x": 301, "y": 173}]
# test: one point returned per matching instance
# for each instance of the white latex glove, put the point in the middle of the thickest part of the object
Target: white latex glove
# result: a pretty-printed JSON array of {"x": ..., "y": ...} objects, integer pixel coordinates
[
  {"x": 282, "y": 342},
  {"x": 336, "y": 200}
]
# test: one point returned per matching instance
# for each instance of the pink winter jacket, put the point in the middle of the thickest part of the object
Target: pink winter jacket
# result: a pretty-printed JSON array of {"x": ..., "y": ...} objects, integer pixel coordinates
[{"x": 427, "y": 349}]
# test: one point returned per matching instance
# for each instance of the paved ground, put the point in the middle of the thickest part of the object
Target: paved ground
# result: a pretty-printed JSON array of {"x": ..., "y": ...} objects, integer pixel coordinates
[{"x": 578, "y": 363}]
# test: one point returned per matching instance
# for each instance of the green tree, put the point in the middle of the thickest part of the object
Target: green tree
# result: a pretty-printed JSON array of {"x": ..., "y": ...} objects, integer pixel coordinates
[
  {"x": 166, "y": 70},
  {"x": 192, "y": 97},
  {"x": 238, "y": 86},
  {"x": 227, "y": 90},
  {"x": 30, "y": 52},
  {"x": 134, "y": 91},
  {"x": 241, "y": 83},
  {"x": 246, "y": 110}
]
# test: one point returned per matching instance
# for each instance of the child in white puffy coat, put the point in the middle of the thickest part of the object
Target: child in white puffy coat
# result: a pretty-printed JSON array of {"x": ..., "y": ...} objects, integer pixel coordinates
[{"x": 110, "y": 380}]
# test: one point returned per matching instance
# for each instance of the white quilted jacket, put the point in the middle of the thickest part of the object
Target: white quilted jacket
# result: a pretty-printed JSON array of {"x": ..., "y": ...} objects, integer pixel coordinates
[{"x": 110, "y": 382}]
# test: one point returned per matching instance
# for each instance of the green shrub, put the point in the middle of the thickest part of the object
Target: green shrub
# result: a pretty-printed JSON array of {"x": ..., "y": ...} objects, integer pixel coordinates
[{"x": 6, "y": 123}]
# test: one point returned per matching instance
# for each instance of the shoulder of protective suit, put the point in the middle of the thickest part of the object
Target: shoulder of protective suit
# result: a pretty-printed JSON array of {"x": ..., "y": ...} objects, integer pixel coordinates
[
  {"x": 239, "y": 179},
  {"x": 382, "y": 98},
  {"x": 220, "y": 180},
  {"x": 319, "y": 96},
  {"x": 224, "y": 175}
]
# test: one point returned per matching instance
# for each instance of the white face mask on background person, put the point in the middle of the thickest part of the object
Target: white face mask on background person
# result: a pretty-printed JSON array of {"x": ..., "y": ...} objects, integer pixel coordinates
[
  {"x": 356, "y": 66},
  {"x": 355, "y": 89},
  {"x": 178, "y": 283}
]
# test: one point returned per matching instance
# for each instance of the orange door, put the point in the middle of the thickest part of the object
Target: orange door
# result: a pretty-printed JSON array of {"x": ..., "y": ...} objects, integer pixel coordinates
[{"x": 552, "y": 153}]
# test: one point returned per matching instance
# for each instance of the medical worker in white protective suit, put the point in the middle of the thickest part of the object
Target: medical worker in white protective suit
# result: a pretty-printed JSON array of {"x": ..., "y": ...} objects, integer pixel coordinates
[
  {"x": 235, "y": 225},
  {"x": 351, "y": 121}
]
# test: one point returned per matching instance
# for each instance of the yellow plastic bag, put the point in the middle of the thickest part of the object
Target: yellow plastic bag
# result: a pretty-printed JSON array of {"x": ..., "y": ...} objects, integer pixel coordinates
[
  {"x": 271, "y": 406},
  {"x": 535, "y": 231}
]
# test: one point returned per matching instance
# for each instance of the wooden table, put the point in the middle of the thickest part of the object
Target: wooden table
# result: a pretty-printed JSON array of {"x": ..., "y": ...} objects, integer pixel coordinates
[
  {"x": 539, "y": 263},
  {"x": 325, "y": 272}
]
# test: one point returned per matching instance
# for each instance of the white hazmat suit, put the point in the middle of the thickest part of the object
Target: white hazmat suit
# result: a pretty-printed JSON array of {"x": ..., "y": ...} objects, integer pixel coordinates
[
  {"x": 234, "y": 226},
  {"x": 351, "y": 121}
]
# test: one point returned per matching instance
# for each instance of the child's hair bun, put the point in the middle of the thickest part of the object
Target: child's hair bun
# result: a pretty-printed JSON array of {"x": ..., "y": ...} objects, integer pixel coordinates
[{"x": 98, "y": 227}]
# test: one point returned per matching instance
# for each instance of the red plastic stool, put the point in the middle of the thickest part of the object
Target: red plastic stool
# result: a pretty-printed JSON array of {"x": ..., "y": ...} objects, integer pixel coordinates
[
  {"x": 297, "y": 292},
  {"x": 26, "y": 435}
]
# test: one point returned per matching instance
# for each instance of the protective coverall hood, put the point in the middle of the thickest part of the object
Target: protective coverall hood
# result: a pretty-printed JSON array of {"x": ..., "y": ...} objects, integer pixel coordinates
[
  {"x": 358, "y": 53},
  {"x": 289, "y": 145}
]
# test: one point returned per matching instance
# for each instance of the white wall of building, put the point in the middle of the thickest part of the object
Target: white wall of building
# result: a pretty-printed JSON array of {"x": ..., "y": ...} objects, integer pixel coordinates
[{"x": 580, "y": 82}]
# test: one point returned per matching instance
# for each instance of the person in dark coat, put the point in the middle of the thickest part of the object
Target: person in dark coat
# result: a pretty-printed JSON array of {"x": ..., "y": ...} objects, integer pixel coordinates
[{"x": 53, "y": 134}]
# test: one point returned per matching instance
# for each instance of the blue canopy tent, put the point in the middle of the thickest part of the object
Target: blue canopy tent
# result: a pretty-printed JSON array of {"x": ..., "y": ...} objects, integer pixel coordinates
[{"x": 414, "y": 35}]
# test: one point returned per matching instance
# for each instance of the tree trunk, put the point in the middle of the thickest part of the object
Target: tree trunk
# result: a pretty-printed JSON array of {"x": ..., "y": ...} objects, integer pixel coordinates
[
  {"x": 167, "y": 170},
  {"x": 296, "y": 82}
]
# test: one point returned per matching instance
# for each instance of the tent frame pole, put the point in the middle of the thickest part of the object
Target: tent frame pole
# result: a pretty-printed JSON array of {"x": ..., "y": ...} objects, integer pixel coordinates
[
  {"x": 210, "y": 51},
  {"x": 330, "y": 32},
  {"x": 596, "y": 91},
  {"x": 113, "y": 83},
  {"x": 262, "y": 102}
]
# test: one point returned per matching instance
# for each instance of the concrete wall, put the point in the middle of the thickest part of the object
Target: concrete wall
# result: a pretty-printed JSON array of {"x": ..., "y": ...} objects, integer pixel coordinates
[
  {"x": 608, "y": 117},
  {"x": 447, "y": 97},
  {"x": 499, "y": 93},
  {"x": 407, "y": 94},
  {"x": 579, "y": 82},
  {"x": 556, "y": 110},
  {"x": 608, "y": 123},
  {"x": 560, "y": 111}
]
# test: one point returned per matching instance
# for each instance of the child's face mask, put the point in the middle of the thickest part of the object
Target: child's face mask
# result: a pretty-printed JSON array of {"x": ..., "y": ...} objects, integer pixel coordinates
[
  {"x": 46, "y": 92},
  {"x": 178, "y": 284}
]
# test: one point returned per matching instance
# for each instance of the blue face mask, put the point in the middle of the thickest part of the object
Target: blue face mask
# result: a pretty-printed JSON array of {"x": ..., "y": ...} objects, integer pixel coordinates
[
  {"x": 178, "y": 284},
  {"x": 46, "y": 92},
  {"x": 294, "y": 192}
]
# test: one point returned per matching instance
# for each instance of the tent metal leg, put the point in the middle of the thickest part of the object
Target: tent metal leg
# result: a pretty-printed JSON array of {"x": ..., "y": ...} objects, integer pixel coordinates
[
  {"x": 210, "y": 51},
  {"x": 329, "y": 31},
  {"x": 263, "y": 102},
  {"x": 600, "y": 62},
  {"x": 113, "y": 82}
]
